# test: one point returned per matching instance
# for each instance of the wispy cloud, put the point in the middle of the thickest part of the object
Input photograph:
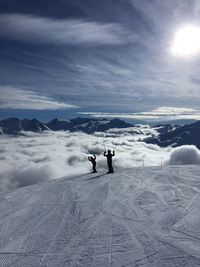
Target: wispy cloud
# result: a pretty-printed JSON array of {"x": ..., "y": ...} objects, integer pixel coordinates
[
  {"x": 121, "y": 58},
  {"x": 14, "y": 98},
  {"x": 36, "y": 29},
  {"x": 161, "y": 113}
]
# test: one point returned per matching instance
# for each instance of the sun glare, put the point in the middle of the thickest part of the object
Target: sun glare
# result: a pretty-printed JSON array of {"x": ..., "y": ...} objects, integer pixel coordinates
[{"x": 186, "y": 41}]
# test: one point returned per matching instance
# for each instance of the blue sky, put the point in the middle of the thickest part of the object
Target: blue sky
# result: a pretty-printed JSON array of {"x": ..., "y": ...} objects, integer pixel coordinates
[{"x": 64, "y": 58}]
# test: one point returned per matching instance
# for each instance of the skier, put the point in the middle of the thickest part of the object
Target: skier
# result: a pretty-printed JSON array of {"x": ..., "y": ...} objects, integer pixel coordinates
[
  {"x": 109, "y": 156},
  {"x": 93, "y": 160}
]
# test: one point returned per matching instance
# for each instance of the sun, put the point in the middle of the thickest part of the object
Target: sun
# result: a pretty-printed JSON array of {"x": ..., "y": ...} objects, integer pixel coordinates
[{"x": 186, "y": 41}]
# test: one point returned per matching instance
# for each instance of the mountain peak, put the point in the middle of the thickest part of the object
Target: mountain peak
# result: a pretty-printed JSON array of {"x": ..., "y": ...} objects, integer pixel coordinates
[{"x": 87, "y": 125}]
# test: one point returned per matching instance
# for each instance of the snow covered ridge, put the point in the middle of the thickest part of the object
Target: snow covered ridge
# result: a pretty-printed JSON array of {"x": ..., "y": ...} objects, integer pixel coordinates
[
  {"x": 87, "y": 125},
  {"x": 184, "y": 135},
  {"x": 14, "y": 126},
  {"x": 162, "y": 135},
  {"x": 137, "y": 217}
]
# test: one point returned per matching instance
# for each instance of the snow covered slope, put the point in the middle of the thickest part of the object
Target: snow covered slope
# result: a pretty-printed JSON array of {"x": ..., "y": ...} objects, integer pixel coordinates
[
  {"x": 86, "y": 125},
  {"x": 139, "y": 217},
  {"x": 15, "y": 126},
  {"x": 177, "y": 136}
]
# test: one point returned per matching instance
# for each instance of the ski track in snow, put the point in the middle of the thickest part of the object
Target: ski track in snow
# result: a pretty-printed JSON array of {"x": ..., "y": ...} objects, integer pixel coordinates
[{"x": 139, "y": 217}]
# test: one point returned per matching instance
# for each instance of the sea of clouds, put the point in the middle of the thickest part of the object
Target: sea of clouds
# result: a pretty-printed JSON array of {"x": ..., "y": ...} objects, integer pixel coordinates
[{"x": 38, "y": 157}]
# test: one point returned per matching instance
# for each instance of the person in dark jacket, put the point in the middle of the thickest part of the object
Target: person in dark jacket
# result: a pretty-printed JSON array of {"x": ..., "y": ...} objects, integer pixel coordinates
[
  {"x": 109, "y": 156},
  {"x": 93, "y": 160}
]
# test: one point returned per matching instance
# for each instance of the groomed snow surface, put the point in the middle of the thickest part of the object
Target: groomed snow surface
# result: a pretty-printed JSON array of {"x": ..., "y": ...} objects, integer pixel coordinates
[{"x": 139, "y": 217}]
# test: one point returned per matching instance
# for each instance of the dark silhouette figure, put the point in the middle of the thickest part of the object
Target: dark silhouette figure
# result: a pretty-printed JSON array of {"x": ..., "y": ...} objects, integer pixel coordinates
[
  {"x": 93, "y": 160},
  {"x": 109, "y": 156}
]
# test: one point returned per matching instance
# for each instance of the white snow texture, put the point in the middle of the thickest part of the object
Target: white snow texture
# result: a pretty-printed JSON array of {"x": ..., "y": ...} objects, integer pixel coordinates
[{"x": 138, "y": 217}]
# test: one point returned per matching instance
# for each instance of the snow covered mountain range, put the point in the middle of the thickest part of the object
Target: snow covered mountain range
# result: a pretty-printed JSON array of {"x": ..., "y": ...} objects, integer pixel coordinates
[
  {"x": 178, "y": 136},
  {"x": 14, "y": 126},
  {"x": 167, "y": 134},
  {"x": 86, "y": 125}
]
